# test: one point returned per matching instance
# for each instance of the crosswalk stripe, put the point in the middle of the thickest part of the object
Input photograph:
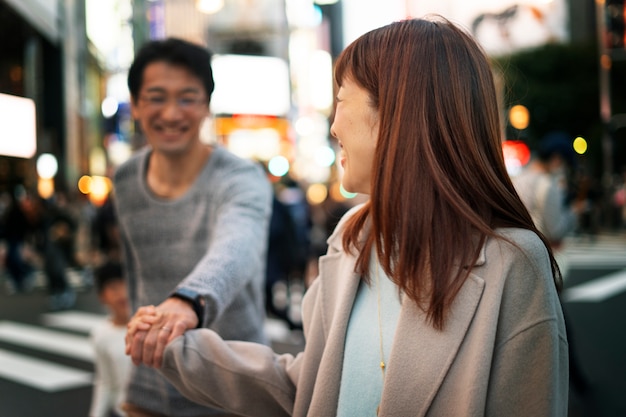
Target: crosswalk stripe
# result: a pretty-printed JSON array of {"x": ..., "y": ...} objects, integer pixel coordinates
[
  {"x": 582, "y": 260},
  {"x": 60, "y": 343},
  {"x": 598, "y": 289},
  {"x": 46, "y": 376},
  {"x": 80, "y": 321},
  {"x": 602, "y": 255}
]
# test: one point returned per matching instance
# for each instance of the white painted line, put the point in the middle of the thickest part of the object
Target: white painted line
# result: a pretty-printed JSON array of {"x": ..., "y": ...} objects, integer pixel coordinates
[
  {"x": 72, "y": 346},
  {"x": 597, "y": 290},
  {"x": 45, "y": 376},
  {"x": 79, "y": 321}
]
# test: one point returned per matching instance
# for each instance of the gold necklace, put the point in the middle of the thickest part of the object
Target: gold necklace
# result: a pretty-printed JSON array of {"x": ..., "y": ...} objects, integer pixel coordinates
[{"x": 380, "y": 327}]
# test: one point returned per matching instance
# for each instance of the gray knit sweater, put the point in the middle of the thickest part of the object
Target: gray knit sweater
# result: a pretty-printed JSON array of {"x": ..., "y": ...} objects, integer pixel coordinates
[{"x": 213, "y": 240}]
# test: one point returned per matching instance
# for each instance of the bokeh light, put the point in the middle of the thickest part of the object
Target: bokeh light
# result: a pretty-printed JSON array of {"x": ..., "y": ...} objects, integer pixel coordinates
[
  {"x": 278, "y": 166},
  {"x": 345, "y": 193},
  {"x": 519, "y": 117},
  {"x": 47, "y": 166},
  {"x": 324, "y": 156},
  {"x": 580, "y": 145},
  {"x": 45, "y": 187},
  {"x": 516, "y": 154},
  {"x": 109, "y": 107},
  {"x": 84, "y": 184},
  {"x": 316, "y": 194},
  {"x": 96, "y": 187}
]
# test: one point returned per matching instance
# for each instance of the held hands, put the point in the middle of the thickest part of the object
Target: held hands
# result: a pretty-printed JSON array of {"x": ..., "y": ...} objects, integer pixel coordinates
[{"x": 152, "y": 328}]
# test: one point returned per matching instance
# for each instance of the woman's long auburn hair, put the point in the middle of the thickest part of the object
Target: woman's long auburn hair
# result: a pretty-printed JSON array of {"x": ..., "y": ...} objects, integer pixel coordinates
[{"x": 439, "y": 183}]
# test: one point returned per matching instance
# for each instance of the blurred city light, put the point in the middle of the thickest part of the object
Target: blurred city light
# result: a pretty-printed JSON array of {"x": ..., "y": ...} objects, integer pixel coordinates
[
  {"x": 18, "y": 126},
  {"x": 47, "y": 166},
  {"x": 96, "y": 187},
  {"x": 97, "y": 161},
  {"x": 304, "y": 126},
  {"x": 338, "y": 193},
  {"x": 118, "y": 152},
  {"x": 109, "y": 107},
  {"x": 278, "y": 166},
  {"x": 324, "y": 156},
  {"x": 45, "y": 187},
  {"x": 345, "y": 193},
  {"x": 84, "y": 184},
  {"x": 580, "y": 145},
  {"x": 316, "y": 194},
  {"x": 261, "y": 144},
  {"x": 321, "y": 80},
  {"x": 516, "y": 154},
  {"x": 209, "y": 6},
  {"x": 519, "y": 117},
  {"x": 254, "y": 85}
]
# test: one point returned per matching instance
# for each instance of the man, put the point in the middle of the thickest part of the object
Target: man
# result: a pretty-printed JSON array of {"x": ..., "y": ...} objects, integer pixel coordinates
[{"x": 193, "y": 220}]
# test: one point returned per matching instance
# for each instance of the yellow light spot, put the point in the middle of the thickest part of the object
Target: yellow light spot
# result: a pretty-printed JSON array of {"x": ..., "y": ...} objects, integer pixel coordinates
[
  {"x": 580, "y": 145},
  {"x": 84, "y": 184},
  {"x": 316, "y": 194},
  {"x": 45, "y": 187},
  {"x": 519, "y": 117}
]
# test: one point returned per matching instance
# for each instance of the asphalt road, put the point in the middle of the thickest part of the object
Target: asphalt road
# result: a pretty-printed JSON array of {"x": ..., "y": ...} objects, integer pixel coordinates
[{"x": 58, "y": 367}]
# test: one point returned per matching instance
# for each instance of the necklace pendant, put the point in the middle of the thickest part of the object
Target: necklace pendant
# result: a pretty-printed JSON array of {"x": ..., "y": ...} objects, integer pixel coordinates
[{"x": 382, "y": 365}]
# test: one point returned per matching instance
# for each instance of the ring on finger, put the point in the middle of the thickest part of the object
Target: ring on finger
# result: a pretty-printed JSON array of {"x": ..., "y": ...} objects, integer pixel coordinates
[{"x": 167, "y": 329}]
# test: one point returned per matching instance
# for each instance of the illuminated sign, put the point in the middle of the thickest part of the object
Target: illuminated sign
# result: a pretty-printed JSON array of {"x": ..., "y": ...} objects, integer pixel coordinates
[
  {"x": 250, "y": 85},
  {"x": 18, "y": 127}
]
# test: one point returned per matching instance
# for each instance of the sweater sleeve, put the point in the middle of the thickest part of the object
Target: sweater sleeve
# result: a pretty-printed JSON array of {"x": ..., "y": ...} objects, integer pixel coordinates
[
  {"x": 236, "y": 255},
  {"x": 245, "y": 378}
]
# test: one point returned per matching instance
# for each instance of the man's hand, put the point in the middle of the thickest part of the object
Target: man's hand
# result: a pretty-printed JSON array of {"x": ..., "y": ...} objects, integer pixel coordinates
[{"x": 152, "y": 328}]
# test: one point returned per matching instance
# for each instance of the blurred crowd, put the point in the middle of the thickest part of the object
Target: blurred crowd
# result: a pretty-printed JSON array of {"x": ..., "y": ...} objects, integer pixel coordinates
[
  {"x": 52, "y": 241},
  {"x": 56, "y": 243}
]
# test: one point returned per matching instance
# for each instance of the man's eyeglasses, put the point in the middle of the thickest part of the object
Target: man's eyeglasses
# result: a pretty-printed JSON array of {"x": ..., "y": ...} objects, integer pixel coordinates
[{"x": 185, "y": 103}]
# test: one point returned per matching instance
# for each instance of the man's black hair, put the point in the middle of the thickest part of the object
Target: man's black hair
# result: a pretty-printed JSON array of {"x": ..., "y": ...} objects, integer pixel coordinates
[
  {"x": 190, "y": 56},
  {"x": 106, "y": 273}
]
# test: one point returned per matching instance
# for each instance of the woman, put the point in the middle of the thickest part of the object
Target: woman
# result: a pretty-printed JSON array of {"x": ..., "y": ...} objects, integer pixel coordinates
[{"x": 438, "y": 297}]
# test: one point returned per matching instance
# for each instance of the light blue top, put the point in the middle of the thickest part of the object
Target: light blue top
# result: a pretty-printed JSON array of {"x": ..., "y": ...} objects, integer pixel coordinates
[{"x": 361, "y": 378}]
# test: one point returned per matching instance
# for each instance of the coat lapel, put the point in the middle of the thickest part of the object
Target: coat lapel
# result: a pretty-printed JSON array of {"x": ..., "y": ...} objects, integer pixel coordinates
[
  {"x": 338, "y": 287},
  {"x": 422, "y": 355}
]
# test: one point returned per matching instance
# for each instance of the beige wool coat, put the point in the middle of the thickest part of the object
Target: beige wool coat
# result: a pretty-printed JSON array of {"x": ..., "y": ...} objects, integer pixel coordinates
[{"x": 503, "y": 351}]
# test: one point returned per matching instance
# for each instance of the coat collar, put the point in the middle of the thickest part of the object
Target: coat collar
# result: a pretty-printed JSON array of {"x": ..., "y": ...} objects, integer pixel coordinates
[{"x": 421, "y": 355}]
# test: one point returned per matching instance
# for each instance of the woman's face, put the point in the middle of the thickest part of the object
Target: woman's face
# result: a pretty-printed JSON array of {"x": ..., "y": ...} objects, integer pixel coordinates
[{"x": 356, "y": 128}]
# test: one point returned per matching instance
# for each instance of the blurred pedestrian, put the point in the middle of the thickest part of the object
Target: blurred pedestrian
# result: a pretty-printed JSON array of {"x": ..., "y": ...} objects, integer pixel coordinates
[
  {"x": 193, "y": 221},
  {"x": 542, "y": 186},
  {"x": 105, "y": 232},
  {"x": 438, "y": 297},
  {"x": 112, "y": 365},
  {"x": 287, "y": 252},
  {"x": 20, "y": 226},
  {"x": 59, "y": 228}
]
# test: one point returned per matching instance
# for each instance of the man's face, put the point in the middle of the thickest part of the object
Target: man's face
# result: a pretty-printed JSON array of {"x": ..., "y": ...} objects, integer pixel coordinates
[{"x": 170, "y": 107}]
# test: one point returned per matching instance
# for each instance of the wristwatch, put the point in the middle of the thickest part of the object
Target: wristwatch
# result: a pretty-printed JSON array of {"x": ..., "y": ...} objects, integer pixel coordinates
[{"x": 193, "y": 298}]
